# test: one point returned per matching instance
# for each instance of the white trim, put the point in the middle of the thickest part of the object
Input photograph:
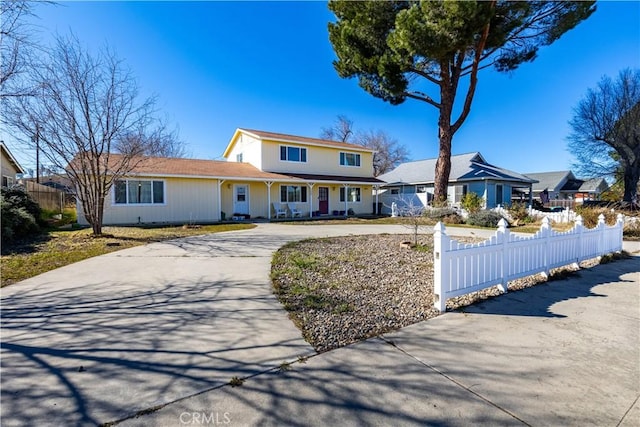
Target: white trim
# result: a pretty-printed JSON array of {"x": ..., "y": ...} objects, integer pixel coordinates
[
  {"x": 346, "y": 200},
  {"x": 306, "y": 155},
  {"x": 247, "y": 198},
  {"x": 17, "y": 166},
  {"x": 345, "y": 157},
  {"x": 127, "y": 204}
]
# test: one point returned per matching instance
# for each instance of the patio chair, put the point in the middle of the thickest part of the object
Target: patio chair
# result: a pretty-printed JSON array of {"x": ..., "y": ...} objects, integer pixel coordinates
[
  {"x": 295, "y": 212},
  {"x": 280, "y": 210}
]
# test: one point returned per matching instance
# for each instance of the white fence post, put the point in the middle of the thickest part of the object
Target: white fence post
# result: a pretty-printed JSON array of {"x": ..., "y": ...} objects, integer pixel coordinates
[
  {"x": 503, "y": 240},
  {"x": 601, "y": 232},
  {"x": 620, "y": 225},
  {"x": 545, "y": 230},
  {"x": 440, "y": 279},
  {"x": 579, "y": 229}
]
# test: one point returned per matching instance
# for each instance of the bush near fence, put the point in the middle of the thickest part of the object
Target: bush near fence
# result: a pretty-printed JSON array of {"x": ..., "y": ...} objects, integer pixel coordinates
[{"x": 460, "y": 269}]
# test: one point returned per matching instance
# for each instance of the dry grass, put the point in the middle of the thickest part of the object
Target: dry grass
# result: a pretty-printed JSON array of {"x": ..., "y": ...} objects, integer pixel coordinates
[{"x": 58, "y": 248}]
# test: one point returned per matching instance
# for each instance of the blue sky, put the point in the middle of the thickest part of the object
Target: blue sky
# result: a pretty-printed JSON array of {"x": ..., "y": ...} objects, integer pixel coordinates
[{"x": 217, "y": 66}]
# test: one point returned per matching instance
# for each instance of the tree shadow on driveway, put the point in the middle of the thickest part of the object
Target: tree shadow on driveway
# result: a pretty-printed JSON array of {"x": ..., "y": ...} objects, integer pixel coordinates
[
  {"x": 83, "y": 356},
  {"x": 544, "y": 300}
]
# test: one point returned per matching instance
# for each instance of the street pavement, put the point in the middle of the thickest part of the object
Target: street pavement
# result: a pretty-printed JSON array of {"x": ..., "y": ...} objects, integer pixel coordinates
[{"x": 160, "y": 330}]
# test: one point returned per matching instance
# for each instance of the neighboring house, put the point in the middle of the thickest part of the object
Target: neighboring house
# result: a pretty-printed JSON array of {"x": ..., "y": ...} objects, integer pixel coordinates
[
  {"x": 10, "y": 167},
  {"x": 264, "y": 173},
  {"x": 413, "y": 182},
  {"x": 564, "y": 186}
]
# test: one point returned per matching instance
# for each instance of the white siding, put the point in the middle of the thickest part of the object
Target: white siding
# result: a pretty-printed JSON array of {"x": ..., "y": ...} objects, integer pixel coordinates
[{"x": 186, "y": 200}]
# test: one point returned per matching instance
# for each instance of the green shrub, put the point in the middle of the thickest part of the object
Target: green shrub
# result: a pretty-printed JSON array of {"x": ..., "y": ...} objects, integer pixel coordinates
[
  {"x": 438, "y": 214},
  {"x": 590, "y": 215},
  {"x": 472, "y": 202},
  {"x": 519, "y": 213},
  {"x": 484, "y": 218},
  {"x": 453, "y": 218},
  {"x": 20, "y": 214}
]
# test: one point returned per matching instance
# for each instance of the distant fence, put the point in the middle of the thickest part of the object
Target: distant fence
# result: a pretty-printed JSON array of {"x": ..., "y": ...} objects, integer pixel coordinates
[
  {"x": 564, "y": 217},
  {"x": 47, "y": 197},
  {"x": 460, "y": 269}
]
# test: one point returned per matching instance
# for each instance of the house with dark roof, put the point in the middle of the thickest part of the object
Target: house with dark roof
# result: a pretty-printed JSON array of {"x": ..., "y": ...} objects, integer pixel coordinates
[
  {"x": 264, "y": 175},
  {"x": 413, "y": 182},
  {"x": 564, "y": 186}
]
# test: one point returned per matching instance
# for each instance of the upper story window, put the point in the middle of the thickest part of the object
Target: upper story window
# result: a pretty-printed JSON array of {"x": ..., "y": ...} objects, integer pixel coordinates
[
  {"x": 350, "y": 159},
  {"x": 293, "y": 154},
  {"x": 239, "y": 157},
  {"x": 130, "y": 192}
]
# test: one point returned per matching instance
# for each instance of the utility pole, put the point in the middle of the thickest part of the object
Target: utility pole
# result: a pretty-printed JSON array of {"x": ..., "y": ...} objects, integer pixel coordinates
[{"x": 36, "y": 139}]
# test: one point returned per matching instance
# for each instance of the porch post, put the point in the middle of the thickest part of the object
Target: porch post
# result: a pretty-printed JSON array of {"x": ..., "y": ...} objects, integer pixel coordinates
[
  {"x": 375, "y": 210},
  {"x": 268, "y": 184},
  {"x": 311, "y": 184},
  {"x": 486, "y": 194},
  {"x": 530, "y": 194},
  {"x": 220, "y": 182},
  {"x": 346, "y": 199}
]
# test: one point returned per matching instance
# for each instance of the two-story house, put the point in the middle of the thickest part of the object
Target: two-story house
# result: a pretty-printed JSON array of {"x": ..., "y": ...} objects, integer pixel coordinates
[{"x": 263, "y": 174}]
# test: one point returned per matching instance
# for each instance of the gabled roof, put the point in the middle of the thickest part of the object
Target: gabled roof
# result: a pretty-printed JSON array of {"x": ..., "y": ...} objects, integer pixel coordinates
[
  {"x": 464, "y": 167},
  {"x": 594, "y": 185},
  {"x": 12, "y": 159},
  {"x": 550, "y": 180},
  {"x": 281, "y": 137},
  {"x": 196, "y": 168}
]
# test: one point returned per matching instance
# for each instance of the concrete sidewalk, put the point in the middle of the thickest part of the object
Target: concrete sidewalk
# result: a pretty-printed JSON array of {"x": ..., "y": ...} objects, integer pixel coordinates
[{"x": 168, "y": 325}]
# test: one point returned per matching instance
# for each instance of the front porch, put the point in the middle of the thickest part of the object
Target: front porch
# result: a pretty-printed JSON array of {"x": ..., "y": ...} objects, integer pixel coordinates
[{"x": 293, "y": 200}]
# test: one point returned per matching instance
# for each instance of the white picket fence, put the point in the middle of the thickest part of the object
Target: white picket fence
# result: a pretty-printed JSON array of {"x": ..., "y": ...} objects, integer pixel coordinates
[
  {"x": 460, "y": 268},
  {"x": 563, "y": 217}
]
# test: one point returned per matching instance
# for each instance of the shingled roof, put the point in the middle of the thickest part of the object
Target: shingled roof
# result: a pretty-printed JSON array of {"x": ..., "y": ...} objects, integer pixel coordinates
[
  {"x": 464, "y": 167},
  {"x": 181, "y": 167}
]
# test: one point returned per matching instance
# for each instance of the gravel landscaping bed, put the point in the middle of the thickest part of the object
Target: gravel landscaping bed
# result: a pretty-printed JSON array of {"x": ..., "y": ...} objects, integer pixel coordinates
[{"x": 345, "y": 289}]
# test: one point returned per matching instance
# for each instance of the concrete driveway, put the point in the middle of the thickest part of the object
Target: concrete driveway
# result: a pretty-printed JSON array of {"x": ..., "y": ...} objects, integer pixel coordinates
[
  {"x": 100, "y": 340},
  {"x": 109, "y": 336}
]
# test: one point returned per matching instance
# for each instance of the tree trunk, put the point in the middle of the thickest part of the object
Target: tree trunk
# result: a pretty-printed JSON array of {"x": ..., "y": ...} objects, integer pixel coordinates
[
  {"x": 445, "y": 136},
  {"x": 443, "y": 166},
  {"x": 631, "y": 178}
]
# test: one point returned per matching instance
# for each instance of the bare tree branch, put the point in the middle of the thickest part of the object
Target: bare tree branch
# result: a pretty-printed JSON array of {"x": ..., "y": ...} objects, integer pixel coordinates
[{"x": 86, "y": 109}]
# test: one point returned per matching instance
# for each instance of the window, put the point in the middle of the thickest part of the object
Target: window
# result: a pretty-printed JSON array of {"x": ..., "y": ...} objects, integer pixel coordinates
[
  {"x": 499, "y": 195},
  {"x": 352, "y": 192},
  {"x": 130, "y": 192},
  {"x": 350, "y": 159},
  {"x": 461, "y": 191},
  {"x": 293, "y": 154},
  {"x": 421, "y": 189},
  {"x": 395, "y": 191},
  {"x": 7, "y": 181},
  {"x": 239, "y": 157},
  {"x": 293, "y": 194}
]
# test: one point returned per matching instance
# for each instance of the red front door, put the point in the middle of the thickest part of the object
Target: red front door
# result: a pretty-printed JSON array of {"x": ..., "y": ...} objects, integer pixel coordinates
[{"x": 323, "y": 200}]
